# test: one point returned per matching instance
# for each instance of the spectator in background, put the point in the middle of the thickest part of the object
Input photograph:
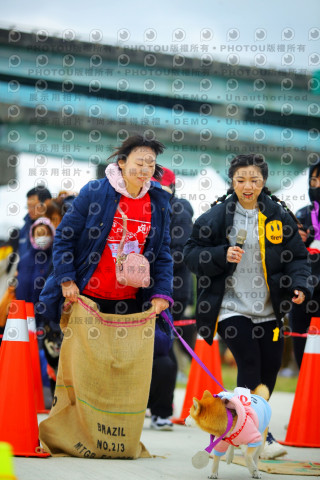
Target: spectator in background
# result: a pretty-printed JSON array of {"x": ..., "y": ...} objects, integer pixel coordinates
[
  {"x": 164, "y": 371},
  {"x": 180, "y": 230},
  {"x": 33, "y": 269},
  {"x": 37, "y": 198},
  {"x": 8, "y": 259},
  {"x": 36, "y": 263},
  {"x": 309, "y": 229},
  {"x": 57, "y": 207},
  {"x": 8, "y": 266}
]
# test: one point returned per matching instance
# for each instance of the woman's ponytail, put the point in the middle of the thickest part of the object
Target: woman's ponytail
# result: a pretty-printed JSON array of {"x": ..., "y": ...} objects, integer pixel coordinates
[
  {"x": 282, "y": 203},
  {"x": 222, "y": 199}
]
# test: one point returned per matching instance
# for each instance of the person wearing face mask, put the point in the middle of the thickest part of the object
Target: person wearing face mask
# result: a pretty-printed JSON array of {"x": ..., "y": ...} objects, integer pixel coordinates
[
  {"x": 309, "y": 229},
  {"x": 37, "y": 200},
  {"x": 36, "y": 263}
]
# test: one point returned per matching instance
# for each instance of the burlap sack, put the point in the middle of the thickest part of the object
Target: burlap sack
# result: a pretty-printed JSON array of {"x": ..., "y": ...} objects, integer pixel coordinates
[{"x": 102, "y": 385}]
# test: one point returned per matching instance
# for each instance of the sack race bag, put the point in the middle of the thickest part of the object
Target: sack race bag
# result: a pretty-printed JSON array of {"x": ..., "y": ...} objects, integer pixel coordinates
[
  {"x": 103, "y": 383},
  {"x": 132, "y": 269}
]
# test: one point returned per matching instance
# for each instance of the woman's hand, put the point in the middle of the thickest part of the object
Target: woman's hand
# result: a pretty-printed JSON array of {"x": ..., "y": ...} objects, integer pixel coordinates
[
  {"x": 70, "y": 291},
  {"x": 299, "y": 297},
  {"x": 234, "y": 254},
  {"x": 159, "y": 304}
]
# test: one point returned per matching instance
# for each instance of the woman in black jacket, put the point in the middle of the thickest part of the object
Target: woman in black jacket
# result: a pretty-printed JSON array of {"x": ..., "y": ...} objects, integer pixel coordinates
[
  {"x": 244, "y": 290},
  {"x": 309, "y": 229}
]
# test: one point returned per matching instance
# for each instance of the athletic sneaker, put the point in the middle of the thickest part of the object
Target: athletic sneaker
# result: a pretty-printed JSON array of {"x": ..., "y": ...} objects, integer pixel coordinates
[
  {"x": 272, "y": 448},
  {"x": 161, "y": 423}
]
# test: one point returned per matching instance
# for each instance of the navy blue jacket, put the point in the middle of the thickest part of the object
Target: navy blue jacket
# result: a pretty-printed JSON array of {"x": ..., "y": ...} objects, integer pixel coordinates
[
  {"x": 81, "y": 237},
  {"x": 180, "y": 229},
  {"x": 34, "y": 268},
  {"x": 24, "y": 241}
]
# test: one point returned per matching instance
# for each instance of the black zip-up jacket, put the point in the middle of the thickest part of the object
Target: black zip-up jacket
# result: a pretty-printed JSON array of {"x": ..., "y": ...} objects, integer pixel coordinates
[{"x": 284, "y": 259}]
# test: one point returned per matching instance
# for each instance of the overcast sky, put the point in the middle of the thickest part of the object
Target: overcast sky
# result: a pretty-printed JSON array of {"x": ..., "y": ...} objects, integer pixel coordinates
[{"x": 287, "y": 32}]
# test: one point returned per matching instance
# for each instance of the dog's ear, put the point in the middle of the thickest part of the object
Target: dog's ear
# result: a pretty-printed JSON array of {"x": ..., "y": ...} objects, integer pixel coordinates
[
  {"x": 206, "y": 394},
  {"x": 196, "y": 406}
]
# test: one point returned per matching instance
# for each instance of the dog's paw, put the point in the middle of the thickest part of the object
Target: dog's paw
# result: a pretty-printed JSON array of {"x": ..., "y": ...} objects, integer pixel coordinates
[
  {"x": 256, "y": 474},
  {"x": 213, "y": 475}
]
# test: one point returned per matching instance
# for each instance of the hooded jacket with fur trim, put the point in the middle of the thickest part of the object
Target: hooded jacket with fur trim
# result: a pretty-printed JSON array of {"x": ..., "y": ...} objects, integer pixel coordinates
[{"x": 34, "y": 266}]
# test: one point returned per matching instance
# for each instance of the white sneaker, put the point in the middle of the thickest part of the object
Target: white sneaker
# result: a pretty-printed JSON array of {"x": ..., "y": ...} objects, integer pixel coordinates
[
  {"x": 161, "y": 423},
  {"x": 272, "y": 448}
]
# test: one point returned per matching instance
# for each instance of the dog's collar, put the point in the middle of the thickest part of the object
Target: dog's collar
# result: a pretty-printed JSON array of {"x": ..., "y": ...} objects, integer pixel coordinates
[{"x": 214, "y": 442}]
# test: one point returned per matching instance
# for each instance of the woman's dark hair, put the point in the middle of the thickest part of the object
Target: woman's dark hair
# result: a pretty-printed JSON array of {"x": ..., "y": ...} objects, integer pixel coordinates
[
  {"x": 257, "y": 161},
  {"x": 314, "y": 170},
  {"x": 136, "y": 141},
  {"x": 55, "y": 206},
  {"x": 42, "y": 192},
  {"x": 246, "y": 161}
]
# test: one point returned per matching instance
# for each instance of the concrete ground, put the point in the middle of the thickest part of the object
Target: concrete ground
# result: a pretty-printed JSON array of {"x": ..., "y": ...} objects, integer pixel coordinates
[{"x": 173, "y": 452}]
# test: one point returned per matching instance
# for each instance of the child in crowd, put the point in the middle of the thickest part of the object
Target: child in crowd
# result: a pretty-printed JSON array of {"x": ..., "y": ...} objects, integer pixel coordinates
[{"x": 36, "y": 263}]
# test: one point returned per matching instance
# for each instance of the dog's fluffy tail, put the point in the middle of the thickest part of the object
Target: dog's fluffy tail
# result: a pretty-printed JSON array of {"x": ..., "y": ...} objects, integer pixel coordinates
[{"x": 262, "y": 391}]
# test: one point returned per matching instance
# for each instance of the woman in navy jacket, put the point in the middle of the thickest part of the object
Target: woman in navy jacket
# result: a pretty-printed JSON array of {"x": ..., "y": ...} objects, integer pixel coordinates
[{"x": 84, "y": 233}]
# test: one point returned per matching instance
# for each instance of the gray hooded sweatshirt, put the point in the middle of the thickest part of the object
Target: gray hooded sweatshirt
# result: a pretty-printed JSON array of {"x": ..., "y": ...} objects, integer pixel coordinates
[{"x": 246, "y": 290}]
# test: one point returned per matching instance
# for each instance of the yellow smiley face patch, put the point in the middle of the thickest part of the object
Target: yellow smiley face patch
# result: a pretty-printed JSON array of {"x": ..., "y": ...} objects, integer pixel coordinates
[{"x": 274, "y": 232}]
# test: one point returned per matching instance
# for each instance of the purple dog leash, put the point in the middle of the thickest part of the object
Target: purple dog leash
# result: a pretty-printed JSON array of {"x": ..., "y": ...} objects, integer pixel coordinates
[
  {"x": 201, "y": 458},
  {"x": 189, "y": 349},
  {"x": 213, "y": 442}
]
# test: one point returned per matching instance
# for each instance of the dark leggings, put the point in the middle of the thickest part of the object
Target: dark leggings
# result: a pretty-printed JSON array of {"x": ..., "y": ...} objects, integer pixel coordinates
[
  {"x": 163, "y": 382},
  {"x": 257, "y": 356}
]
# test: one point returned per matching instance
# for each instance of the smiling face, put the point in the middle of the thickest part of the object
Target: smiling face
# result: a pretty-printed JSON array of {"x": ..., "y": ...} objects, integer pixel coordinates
[
  {"x": 248, "y": 183},
  {"x": 138, "y": 169}
]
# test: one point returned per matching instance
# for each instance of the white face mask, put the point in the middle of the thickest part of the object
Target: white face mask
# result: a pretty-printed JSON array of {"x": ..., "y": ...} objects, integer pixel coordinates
[{"x": 43, "y": 242}]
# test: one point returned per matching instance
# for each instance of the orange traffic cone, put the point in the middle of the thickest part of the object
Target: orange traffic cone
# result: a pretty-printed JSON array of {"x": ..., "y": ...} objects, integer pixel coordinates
[
  {"x": 199, "y": 380},
  {"x": 304, "y": 425},
  {"x": 35, "y": 359},
  {"x": 18, "y": 417}
]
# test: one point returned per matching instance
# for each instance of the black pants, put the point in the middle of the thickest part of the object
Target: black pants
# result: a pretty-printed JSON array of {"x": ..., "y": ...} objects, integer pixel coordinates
[
  {"x": 299, "y": 319},
  {"x": 164, "y": 373},
  {"x": 119, "y": 307},
  {"x": 258, "y": 357},
  {"x": 187, "y": 332}
]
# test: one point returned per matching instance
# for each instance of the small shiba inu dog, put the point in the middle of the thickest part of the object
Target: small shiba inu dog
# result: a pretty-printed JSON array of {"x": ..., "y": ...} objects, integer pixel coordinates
[{"x": 234, "y": 419}]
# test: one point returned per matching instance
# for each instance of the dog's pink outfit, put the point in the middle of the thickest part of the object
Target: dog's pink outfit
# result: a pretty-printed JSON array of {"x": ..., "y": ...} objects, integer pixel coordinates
[{"x": 252, "y": 421}]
